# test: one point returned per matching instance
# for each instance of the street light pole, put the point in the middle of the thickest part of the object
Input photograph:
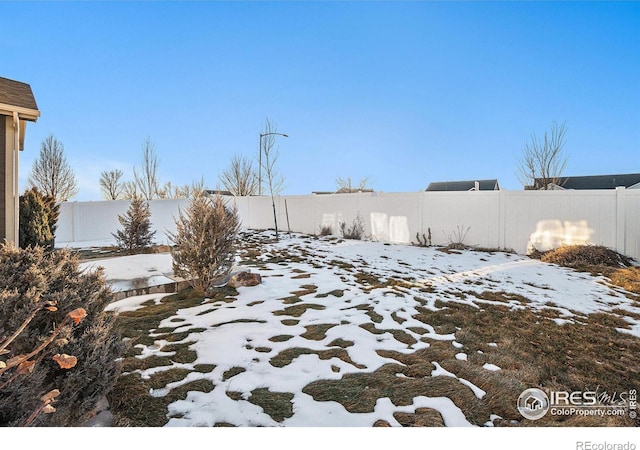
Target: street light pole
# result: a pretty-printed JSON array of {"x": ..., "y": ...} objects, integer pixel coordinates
[{"x": 260, "y": 158}]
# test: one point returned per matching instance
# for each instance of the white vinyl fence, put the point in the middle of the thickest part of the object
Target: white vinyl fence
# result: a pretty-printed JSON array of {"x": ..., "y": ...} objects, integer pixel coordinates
[{"x": 497, "y": 219}]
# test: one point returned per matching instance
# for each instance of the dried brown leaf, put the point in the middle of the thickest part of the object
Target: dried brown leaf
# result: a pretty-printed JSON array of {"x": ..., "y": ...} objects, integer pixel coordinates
[
  {"x": 77, "y": 315},
  {"x": 26, "y": 367},
  {"x": 50, "y": 395},
  {"x": 48, "y": 409},
  {"x": 65, "y": 361}
]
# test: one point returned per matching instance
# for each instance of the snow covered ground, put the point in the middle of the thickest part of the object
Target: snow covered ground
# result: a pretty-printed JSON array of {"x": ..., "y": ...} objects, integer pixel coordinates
[
  {"x": 124, "y": 273},
  {"x": 343, "y": 284}
]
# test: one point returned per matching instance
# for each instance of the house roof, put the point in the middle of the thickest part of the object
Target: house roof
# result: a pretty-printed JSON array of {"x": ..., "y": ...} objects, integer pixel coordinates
[
  {"x": 599, "y": 181},
  {"x": 485, "y": 185},
  {"x": 18, "y": 95}
]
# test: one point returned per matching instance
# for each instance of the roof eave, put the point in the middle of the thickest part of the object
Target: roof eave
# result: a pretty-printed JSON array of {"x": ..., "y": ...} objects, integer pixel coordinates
[{"x": 24, "y": 113}]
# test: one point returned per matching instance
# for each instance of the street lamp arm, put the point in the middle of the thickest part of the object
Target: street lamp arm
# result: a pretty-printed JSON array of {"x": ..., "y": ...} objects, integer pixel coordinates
[{"x": 260, "y": 157}]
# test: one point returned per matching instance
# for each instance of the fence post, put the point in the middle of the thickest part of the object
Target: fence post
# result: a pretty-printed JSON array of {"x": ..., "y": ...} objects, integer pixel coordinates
[
  {"x": 620, "y": 225},
  {"x": 502, "y": 220}
]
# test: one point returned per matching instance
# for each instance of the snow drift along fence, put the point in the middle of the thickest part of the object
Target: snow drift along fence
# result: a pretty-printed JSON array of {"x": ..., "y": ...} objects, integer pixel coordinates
[{"x": 497, "y": 219}]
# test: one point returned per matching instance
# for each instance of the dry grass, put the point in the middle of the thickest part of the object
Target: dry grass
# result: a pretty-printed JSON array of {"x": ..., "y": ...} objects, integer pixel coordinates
[
  {"x": 628, "y": 279},
  {"x": 317, "y": 332},
  {"x": 285, "y": 357},
  {"x": 584, "y": 257},
  {"x": 531, "y": 351},
  {"x": 278, "y": 405}
]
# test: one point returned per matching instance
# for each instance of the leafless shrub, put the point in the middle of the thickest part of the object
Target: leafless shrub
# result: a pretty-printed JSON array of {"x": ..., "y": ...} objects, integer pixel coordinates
[
  {"x": 355, "y": 231},
  {"x": 425, "y": 241},
  {"x": 326, "y": 230},
  {"x": 455, "y": 239}
]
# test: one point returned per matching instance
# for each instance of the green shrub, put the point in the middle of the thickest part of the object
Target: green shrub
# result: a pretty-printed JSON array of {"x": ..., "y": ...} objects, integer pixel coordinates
[
  {"x": 38, "y": 215},
  {"x": 47, "y": 287}
]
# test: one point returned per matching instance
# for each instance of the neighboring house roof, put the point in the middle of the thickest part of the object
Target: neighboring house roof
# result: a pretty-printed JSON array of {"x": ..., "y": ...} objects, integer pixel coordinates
[
  {"x": 629, "y": 180},
  {"x": 16, "y": 93},
  {"x": 218, "y": 191},
  {"x": 344, "y": 191},
  {"x": 484, "y": 185}
]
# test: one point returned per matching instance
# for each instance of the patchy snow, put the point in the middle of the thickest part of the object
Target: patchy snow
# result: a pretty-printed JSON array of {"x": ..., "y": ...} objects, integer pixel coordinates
[
  {"x": 461, "y": 356},
  {"x": 124, "y": 273},
  {"x": 134, "y": 303},
  {"x": 490, "y": 366},
  {"x": 337, "y": 283}
]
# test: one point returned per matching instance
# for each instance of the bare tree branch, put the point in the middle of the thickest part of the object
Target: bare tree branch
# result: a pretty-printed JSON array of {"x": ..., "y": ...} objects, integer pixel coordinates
[
  {"x": 147, "y": 183},
  {"x": 273, "y": 178},
  {"x": 240, "y": 179},
  {"x": 346, "y": 186},
  {"x": 112, "y": 187},
  {"x": 543, "y": 161},
  {"x": 51, "y": 173}
]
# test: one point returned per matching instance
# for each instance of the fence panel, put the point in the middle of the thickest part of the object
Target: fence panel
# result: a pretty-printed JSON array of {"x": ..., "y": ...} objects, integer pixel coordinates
[{"x": 506, "y": 219}]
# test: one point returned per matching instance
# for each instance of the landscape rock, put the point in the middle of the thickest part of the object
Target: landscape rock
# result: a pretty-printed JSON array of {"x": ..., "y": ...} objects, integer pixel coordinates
[
  {"x": 102, "y": 419},
  {"x": 244, "y": 279}
]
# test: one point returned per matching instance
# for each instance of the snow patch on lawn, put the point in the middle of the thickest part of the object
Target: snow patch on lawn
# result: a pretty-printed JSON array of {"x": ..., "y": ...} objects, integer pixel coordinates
[{"x": 240, "y": 334}]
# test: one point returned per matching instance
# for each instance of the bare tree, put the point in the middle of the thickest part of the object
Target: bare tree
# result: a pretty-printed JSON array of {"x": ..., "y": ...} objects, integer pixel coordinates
[
  {"x": 129, "y": 190},
  {"x": 543, "y": 161},
  {"x": 51, "y": 173},
  {"x": 146, "y": 181},
  {"x": 195, "y": 189},
  {"x": 346, "y": 186},
  {"x": 274, "y": 180},
  {"x": 240, "y": 179},
  {"x": 112, "y": 187}
]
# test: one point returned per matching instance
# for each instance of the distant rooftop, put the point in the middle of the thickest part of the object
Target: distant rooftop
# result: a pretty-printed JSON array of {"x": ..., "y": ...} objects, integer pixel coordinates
[
  {"x": 469, "y": 185},
  {"x": 628, "y": 180},
  {"x": 16, "y": 93}
]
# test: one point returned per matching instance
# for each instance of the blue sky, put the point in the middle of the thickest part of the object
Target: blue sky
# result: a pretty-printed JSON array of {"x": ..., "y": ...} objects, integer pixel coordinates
[{"x": 404, "y": 93}]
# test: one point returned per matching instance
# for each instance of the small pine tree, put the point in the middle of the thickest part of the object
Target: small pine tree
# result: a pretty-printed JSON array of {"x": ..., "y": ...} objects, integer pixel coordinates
[
  {"x": 34, "y": 220},
  {"x": 136, "y": 226},
  {"x": 205, "y": 240}
]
